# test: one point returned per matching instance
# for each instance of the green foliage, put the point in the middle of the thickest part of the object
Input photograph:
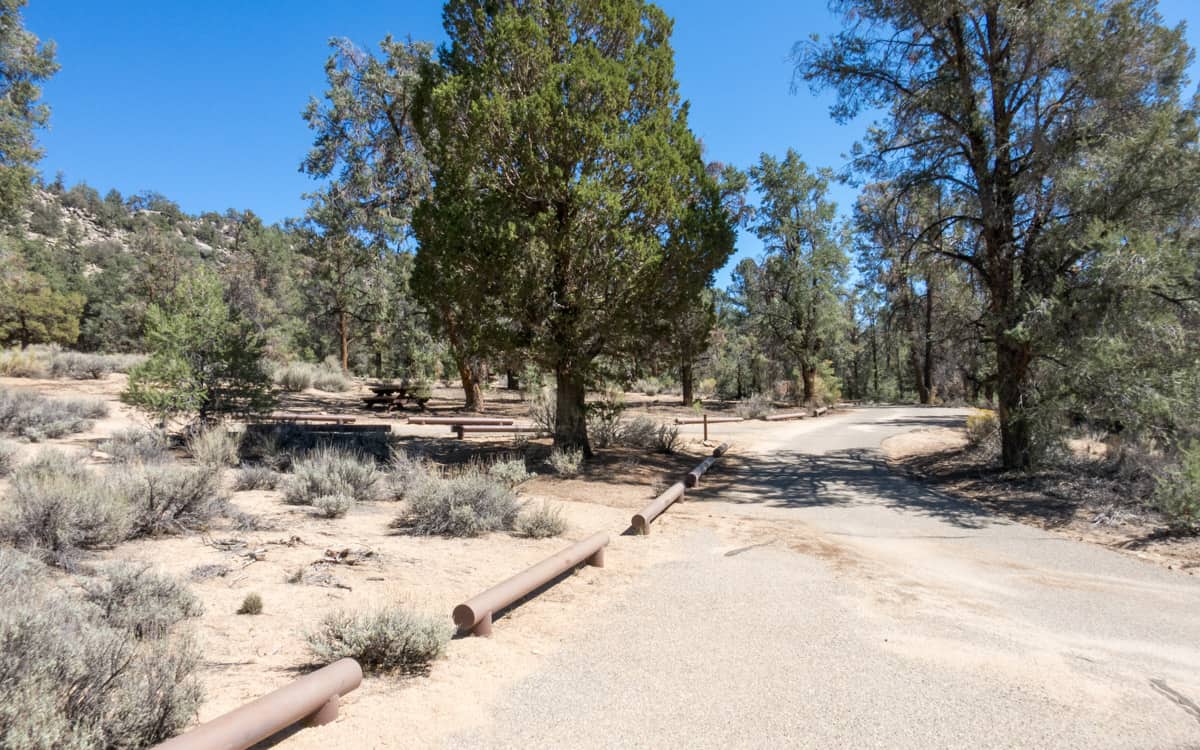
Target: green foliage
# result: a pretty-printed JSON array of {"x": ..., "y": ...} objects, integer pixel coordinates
[
  {"x": 1178, "y": 491},
  {"x": 33, "y": 312},
  {"x": 252, "y": 604},
  {"x": 604, "y": 419},
  {"x": 541, "y": 521},
  {"x": 385, "y": 640},
  {"x": 27, "y": 63},
  {"x": 465, "y": 504},
  {"x": 76, "y": 679},
  {"x": 564, "y": 165},
  {"x": 327, "y": 472},
  {"x": 206, "y": 359}
]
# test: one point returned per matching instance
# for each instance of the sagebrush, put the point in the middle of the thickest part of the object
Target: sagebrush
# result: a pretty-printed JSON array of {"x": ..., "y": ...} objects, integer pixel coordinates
[
  {"x": 328, "y": 471},
  {"x": 385, "y": 640},
  {"x": 541, "y": 521},
  {"x": 467, "y": 503},
  {"x": 35, "y": 417}
]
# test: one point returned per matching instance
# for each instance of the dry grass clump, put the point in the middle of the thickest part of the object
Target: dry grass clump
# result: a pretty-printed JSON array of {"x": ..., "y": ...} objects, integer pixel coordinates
[
  {"x": 36, "y": 418},
  {"x": 251, "y": 605},
  {"x": 300, "y": 376},
  {"x": 74, "y": 678},
  {"x": 648, "y": 434},
  {"x": 981, "y": 425},
  {"x": 541, "y": 521},
  {"x": 135, "y": 445},
  {"x": 327, "y": 471},
  {"x": 8, "y": 457},
  {"x": 56, "y": 507},
  {"x": 171, "y": 499},
  {"x": 41, "y": 361},
  {"x": 566, "y": 462},
  {"x": 463, "y": 504},
  {"x": 256, "y": 477},
  {"x": 23, "y": 363},
  {"x": 755, "y": 407},
  {"x": 391, "y": 639},
  {"x": 213, "y": 446}
]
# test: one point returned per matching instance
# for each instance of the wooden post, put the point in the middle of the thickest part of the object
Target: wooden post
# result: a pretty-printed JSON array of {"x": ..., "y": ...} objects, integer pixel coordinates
[{"x": 706, "y": 427}]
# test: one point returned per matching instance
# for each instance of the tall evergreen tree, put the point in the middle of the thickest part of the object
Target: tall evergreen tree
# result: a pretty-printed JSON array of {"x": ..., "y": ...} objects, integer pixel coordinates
[
  {"x": 25, "y": 62},
  {"x": 564, "y": 160},
  {"x": 1055, "y": 124}
]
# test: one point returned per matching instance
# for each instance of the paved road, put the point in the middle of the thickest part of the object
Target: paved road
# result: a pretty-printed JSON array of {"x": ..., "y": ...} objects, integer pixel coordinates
[{"x": 830, "y": 603}]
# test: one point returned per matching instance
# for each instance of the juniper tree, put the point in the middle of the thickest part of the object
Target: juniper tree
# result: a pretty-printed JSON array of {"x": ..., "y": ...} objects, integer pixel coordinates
[
  {"x": 563, "y": 161},
  {"x": 25, "y": 62}
]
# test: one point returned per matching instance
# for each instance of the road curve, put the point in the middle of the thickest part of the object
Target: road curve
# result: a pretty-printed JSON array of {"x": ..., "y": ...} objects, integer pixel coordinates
[{"x": 826, "y": 602}]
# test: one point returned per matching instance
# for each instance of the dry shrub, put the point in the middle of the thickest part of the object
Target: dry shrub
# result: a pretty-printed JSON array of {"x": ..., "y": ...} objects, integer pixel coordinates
[
  {"x": 171, "y": 499},
  {"x": 57, "y": 506},
  {"x": 74, "y": 679},
  {"x": 24, "y": 363},
  {"x": 391, "y": 639},
  {"x": 140, "y": 601},
  {"x": 647, "y": 434},
  {"x": 565, "y": 461},
  {"x": 404, "y": 472},
  {"x": 136, "y": 445},
  {"x": 981, "y": 425},
  {"x": 255, "y": 478},
  {"x": 35, "y": 417},
  {"x": 333, "y": 506},
  {"x": 251, "y": 605},
  {"x": 327, "y": 471},
  {"x": 510, "y": 470},
  {"x": 465, "y": 504},
  {"x": 755, "y": 407},
  {"x": 8, "y": 457},
  {"x": 1178, "y": 491},
  {"x": 294, "y": 376},
  {"x": 299, "y": 376},
  {"x": 214, "y": 446},
  {"x": 541, "y": 521}
]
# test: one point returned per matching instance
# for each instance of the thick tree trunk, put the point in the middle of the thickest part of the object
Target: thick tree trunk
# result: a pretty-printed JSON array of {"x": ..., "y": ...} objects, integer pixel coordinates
[
  {"x": 1016, "y": 433},
  {"x": 927, "y": 375},
  {"x": 472, "y": 392},
  {"x": 687, "y": 382},
  {"x": 570, "y": 424},
  {"x": 918, "y": 371},
  {"x": 809, "y": 377},
  {"x": 514, "y": 383},
  {"x": 379, "y": 365}
]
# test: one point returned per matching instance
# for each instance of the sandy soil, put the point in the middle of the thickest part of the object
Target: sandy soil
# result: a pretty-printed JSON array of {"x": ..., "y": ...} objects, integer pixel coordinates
[
  {"x": 247, "y": 656},
  {"x": 1076, "y": 504}
]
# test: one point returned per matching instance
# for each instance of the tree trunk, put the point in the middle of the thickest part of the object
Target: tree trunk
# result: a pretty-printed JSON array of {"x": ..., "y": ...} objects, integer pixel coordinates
[
  {"x": 344, "y": 337},
  {"x": 927, "y": 395},
  {"x": 379, "y": 365},
  {"x": 472, "y": 391},
  {"x": 514, "y": 382},
  {"x": 1016, "y": 434},
  {"x": 570, "y": 422},
  {"x": 808, "y": 375},
  {"x": 918, "y": 374},
  {"x": 687, "y": 382}
]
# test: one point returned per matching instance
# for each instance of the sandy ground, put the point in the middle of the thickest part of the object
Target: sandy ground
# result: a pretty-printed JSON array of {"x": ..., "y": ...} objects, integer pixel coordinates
[
  {"x": 1079, "y": 507},
  {"x": 247, "y": 656}
]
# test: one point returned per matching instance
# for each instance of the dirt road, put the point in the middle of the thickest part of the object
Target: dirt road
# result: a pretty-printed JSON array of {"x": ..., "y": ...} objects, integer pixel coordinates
[{"x": 825, "y": 602}]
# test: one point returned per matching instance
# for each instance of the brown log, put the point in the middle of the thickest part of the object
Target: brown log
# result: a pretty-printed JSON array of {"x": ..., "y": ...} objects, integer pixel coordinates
[{"x": 641, "y": 521}]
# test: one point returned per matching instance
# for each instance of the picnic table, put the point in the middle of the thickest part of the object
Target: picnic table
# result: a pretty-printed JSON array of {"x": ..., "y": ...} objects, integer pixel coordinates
[{"x": 393, "y": 395}]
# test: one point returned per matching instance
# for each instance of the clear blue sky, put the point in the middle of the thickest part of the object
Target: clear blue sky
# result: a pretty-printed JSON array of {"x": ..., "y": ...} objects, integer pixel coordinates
[{"x": 201, "y": 101}]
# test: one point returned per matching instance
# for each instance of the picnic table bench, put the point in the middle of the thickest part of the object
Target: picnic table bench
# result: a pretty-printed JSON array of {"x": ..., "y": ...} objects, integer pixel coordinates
[{"x": 393, "y": 395}]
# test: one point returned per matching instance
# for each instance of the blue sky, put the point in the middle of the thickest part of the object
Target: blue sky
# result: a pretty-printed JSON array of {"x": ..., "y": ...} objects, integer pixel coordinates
[{"x": 201, "y": 101}]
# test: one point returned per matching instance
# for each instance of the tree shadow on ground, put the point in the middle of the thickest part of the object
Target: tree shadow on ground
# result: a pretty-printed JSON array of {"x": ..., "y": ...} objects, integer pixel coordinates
[{"x": 839, "y": 479}]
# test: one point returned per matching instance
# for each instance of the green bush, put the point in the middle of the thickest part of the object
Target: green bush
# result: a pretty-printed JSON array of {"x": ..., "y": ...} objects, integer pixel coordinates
[
  {"x": 604, "y": 420},
  {"x": 541, "y": 521},
  {"x": 73, "y": 679},
  {"x": 327, "y": 471},
  {"x": 385, "y": 640},
  {"x": 35, "y": 417},
  {"x": 648, "y": 386},
  {"x": 1178, "y": 491},
  {"x": 172, "y": 499},
  {"x": 251, "y": 605},
  {"x": 566, "y": 461},
  {"x": 136, "y": 445},
  {"x": 465, "y": 504},
  {"x": 56, "y": 507},
  {"x": 213, "y": 446},
  {"x": 140, "y": 601}
]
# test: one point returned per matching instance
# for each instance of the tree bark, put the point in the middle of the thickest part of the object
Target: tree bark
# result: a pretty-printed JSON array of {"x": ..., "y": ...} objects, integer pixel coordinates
[
  {"x": 927, "y": 395},
  {"x": 514, "y": 382},
  {"x": 472, "y": 392},
  {"x": 687, "y": 378},
  {"x": 1016, "y": 433},
  {"x": 570, "y": 422},
  {"x": 344, "y": 337},
  {"x": 808, "y": 376}
]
